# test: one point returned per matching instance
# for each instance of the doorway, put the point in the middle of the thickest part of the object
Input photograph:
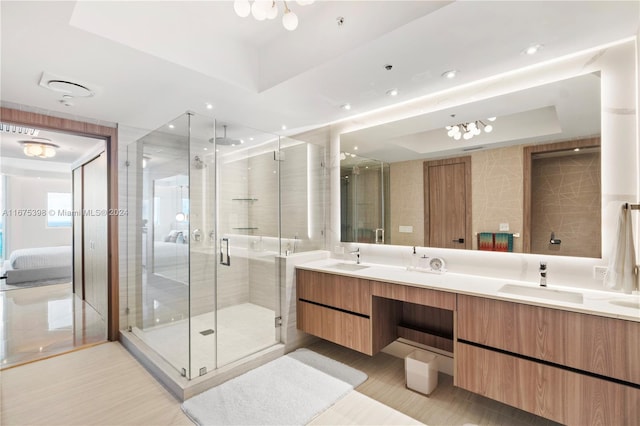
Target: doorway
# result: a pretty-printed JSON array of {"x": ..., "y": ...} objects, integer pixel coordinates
[
  {"x": 65, "y": 319},
  {"x": 447, "y": 205}
]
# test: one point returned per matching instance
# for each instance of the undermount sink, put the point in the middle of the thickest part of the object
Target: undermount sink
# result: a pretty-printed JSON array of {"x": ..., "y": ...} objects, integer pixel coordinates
[
  {"x": 348, "y": 266},
  {"x": 542, "y": 292},
  {"x": 627, "y": 303}
]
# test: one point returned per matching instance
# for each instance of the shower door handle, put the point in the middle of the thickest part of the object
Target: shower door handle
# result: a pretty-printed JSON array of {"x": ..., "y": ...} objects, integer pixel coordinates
[{"x": 225, "y": 259}]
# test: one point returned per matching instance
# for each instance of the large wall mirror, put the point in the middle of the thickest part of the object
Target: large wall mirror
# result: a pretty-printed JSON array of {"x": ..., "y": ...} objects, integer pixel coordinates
[{"x": 518, "y": 172}]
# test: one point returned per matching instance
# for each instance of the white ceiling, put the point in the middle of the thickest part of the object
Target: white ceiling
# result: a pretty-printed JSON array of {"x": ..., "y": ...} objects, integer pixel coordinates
[{"x": 148, "y": 62}]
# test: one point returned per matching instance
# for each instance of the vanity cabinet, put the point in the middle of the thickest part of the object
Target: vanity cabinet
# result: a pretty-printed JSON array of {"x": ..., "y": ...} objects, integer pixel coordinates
[
  {"x": 570, "y": 367},
  {"x": 337, "y": 291},
  {"x": 336, "y": 308},
  {"x": 367, "y": 315}
]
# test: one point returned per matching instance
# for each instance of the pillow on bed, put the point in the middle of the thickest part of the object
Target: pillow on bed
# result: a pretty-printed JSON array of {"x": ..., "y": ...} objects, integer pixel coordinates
[{"x": 172, "y": 237}]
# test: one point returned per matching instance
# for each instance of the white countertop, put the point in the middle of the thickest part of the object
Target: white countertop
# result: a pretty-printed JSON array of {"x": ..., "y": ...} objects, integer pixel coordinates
[{"x": 602, "y": 303}]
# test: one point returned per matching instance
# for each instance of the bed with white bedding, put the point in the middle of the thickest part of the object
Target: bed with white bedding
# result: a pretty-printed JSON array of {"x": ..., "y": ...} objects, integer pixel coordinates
[{"x": 36, "y": 264}]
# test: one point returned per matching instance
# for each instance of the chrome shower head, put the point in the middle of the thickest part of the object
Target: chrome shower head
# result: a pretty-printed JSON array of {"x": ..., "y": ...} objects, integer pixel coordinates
[{"x": 198, "y": 163}]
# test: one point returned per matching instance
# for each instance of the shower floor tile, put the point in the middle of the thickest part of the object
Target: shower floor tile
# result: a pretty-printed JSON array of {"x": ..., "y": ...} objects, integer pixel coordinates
[{"x": 242, "y": 330}]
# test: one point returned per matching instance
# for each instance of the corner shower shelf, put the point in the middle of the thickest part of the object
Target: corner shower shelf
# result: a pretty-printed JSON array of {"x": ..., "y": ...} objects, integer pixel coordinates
[
  {"x": 244, "y": 199},
  {"x": 246, "y": 229}
]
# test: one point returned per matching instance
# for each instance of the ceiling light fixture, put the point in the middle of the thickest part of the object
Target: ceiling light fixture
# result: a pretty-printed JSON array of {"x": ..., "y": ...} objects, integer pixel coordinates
[
  {"x": 268, "y": 10},
  {"x": 39, "y": 147},
  {"x": 450, "y": 74},
  {"x": 532, "y": 50},
  {"x": 468, "y": 130},
  {"x": 346, "y": 107},
  {"x": 181, "y": 216},
  {"x": 392, "y": 92}
]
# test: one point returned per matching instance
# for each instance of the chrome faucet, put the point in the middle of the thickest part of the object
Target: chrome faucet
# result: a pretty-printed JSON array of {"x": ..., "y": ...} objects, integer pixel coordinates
[
  {"x": 543, "y": 274},
  {"x": 357, "y": 253}
]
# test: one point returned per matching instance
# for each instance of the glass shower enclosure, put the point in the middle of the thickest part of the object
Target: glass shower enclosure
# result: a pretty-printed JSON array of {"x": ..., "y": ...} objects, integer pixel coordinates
[
  {"x": 204, "y": 233},
  {"x": 364, "y": 200}
]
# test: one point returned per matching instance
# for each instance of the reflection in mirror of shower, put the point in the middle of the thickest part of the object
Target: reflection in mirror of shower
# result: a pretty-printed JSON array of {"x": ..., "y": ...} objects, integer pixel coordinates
[{"x": 197, "y": 163}]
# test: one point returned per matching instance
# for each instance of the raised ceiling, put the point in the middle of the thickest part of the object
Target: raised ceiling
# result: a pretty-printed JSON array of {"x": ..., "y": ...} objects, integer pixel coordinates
[{"x": 149, "y": 62}]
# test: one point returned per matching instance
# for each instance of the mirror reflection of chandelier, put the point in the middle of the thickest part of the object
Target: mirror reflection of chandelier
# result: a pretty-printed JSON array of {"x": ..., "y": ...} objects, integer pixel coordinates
[
  {"x": 469, "y": 129},
  {"x": 39, "y": 147},
  {"x": 268, "y": 9}
]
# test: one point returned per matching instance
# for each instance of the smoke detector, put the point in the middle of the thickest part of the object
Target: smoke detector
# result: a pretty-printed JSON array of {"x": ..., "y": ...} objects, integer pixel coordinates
[{"x": 66, "y": 86}]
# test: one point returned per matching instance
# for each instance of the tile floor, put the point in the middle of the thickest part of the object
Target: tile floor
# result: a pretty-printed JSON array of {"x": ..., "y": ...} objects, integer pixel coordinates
[
  {"x": 242, "y": 330},
  {"x": 40, "y": 322}
]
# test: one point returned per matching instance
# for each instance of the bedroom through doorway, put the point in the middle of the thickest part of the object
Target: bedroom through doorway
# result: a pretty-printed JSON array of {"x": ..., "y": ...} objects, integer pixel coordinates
[{"x": 53, "y": 243}]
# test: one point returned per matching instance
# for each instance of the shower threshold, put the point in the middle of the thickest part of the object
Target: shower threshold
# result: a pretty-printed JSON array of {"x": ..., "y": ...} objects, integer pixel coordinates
[{"x": 179, "y": 386}]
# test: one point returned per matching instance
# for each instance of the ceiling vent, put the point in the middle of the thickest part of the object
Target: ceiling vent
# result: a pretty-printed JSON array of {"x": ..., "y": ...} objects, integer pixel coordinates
[
  {"x": 18, "y": 130},
  {"x": 66, "y": 86}
]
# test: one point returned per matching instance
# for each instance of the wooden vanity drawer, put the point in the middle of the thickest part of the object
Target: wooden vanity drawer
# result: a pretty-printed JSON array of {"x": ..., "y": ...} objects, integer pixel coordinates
[
  {"x": 348, "y": 293},
  {"x": 599, "y": 345},
  {"x": 557, "y": 394},
  {"x": 352, "y": 331},
  {"x": 417, "y": 295}
]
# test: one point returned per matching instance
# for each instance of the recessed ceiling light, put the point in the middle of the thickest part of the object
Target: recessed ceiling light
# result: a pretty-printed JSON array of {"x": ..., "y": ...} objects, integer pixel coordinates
[
  {"x": 533, "y": 49},
  {"x": 206, "y": 149},
  {"x": 209, "y": 106},
  {"x": 392, "y": 92},
  {"x": 450, "y": 74},
  {"x": 576, "y": 149},
  {"x": 346, "y": 107},
  {"x": 355, "y": 148},
  {"x": 171, "y": 126},
  {"x": 250, "y": 139},
  {"x": 491, "y": 119},
  {"x": 284, "y": 127},
  {"x": 241, "y": 140}
]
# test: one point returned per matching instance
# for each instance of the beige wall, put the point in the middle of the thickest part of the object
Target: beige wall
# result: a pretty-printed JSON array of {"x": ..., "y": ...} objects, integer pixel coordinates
[
  {"x": 496, "y": 195},
  {"x": 407, "y": 202},
  {"x": 565, "y": 199},
  {"x": 496, "y": 192}
]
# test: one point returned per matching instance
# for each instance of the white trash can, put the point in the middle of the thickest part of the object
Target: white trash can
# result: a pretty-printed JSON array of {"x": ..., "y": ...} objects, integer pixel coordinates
[{"x": 421, "y": 371}]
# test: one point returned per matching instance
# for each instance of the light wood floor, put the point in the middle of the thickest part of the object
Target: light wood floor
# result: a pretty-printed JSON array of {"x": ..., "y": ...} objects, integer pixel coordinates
[
  {"x": 447, "y": 405},
  {"x": 105, "y": 385},
  {"x": 102, "y": 385}
]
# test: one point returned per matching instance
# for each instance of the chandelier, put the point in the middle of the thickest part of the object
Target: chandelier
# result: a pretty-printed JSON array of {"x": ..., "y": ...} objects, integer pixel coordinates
[
  {"x": 39, "y": 147},
  {"x": 469, "y": 129},
  {"x": 268, "y": 9}
]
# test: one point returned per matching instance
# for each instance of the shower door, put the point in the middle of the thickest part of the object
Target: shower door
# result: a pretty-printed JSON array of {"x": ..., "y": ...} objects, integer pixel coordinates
[{"x": 235, "y": 225}]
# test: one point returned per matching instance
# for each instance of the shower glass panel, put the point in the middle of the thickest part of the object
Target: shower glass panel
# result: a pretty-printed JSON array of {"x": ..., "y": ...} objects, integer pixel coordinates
[
  {"x": 158, "y": 239},
  {"x": 246, "y": 241},
  {"x": 207, "y": 202},
  {"x": 364, "y": 200}
]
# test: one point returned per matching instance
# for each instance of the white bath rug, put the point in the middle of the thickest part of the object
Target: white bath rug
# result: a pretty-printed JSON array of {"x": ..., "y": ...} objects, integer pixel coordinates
[{"x": 290, "y": 390}]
